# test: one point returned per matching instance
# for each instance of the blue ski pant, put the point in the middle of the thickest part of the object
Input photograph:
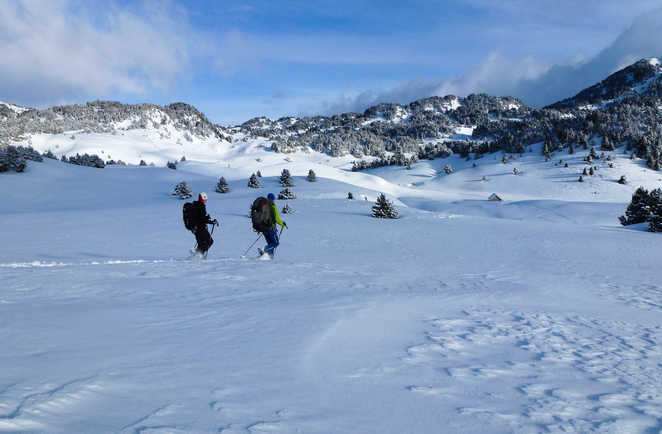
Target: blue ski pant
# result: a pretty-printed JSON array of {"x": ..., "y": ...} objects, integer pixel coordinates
[{"x": 272, "y": 240}]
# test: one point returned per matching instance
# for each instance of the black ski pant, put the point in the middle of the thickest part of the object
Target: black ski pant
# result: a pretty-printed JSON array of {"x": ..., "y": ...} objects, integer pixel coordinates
[{"x": 203, "y": 238}]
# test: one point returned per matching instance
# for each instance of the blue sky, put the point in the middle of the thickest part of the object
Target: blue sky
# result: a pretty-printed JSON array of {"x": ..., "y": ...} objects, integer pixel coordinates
[{"x": 236, "y": 60}]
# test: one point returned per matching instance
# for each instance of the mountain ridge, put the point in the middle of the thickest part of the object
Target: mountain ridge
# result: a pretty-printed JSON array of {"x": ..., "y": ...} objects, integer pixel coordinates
[{"x": 624, "y": 109}]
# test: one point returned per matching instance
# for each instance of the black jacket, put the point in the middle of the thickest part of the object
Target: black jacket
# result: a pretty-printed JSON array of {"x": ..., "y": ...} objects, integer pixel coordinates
[{"x": 199, "y": 216}]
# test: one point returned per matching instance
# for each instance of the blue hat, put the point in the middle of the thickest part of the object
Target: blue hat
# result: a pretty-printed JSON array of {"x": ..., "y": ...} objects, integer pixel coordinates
[{"x": 271, "y": 196}]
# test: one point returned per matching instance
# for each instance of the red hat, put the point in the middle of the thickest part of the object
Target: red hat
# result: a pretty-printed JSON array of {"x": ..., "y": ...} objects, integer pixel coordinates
[{"x": 202, "y": 197}]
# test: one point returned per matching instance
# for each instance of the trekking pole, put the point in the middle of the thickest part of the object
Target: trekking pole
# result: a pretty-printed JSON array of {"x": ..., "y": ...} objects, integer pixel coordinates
[
  {"x": 213, "y": 226},
  {"x": 258, "y": 237}
]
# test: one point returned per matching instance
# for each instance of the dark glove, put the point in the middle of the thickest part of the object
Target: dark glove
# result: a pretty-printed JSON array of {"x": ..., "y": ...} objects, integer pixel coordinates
[
  {"x": 284, "y": 224},
  {"x": 215, "y": 222}
]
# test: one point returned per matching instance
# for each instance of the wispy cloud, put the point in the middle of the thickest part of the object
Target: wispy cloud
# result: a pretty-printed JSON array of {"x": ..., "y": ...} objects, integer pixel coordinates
[
  {"x": 56, "y": 50},
  {"x": 535, "y": 81}
]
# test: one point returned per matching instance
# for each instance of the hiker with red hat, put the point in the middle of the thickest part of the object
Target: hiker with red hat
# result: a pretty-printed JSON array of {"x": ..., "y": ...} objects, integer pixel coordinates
[{"x": 196, "y": 220}]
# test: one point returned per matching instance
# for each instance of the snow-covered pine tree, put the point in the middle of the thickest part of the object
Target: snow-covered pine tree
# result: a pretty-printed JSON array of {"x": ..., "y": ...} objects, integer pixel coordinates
[
  {"x": 350, "y": 196},
  {"x": 384, "y": 208},
  {"x": 142, "y": 163},
  {"x": 585, "y": 172},
  {"x": 182, "y": 190},
  {"x": 622, "y": 180},
  {"x": 311, "y": 176},
  {"x": 172, "y": 165},
  {"x": 515, "y": 171},
  {"x": 286, "y": 179},
  {"x": 287, "y": 209},
  {"x": 591, "y": 171},
  {"x": 448, "y": 169},
  {"x": 259, "y": 174},
  {"x": 581, "y": 179},
  {"x": 4, "y": 161},
  {"x": 639, "y": 209},
  {"x": 50, "y": 155},
  {"x": 286, "y": 194},
  {"x": 222, "y": 186},
  {"x": 253, "y": 182}
]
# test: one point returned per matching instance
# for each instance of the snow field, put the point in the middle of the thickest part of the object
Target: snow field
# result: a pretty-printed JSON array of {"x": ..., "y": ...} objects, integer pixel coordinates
[{"x": 540, "y": 313}]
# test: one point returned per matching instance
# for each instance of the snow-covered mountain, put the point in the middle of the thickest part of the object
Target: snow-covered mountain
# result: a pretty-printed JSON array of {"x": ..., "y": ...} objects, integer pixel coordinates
[
  {"x": 624, "y": 109},
  {"x": 641, "y": 79}
]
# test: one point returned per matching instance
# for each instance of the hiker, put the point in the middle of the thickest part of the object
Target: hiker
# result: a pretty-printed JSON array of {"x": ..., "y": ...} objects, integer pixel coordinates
[
  {"x": 196, "y": 220},
  {"x": 264, "y": 216}
]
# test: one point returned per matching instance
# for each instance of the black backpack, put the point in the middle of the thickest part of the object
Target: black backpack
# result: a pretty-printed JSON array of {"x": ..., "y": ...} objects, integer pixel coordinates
[
  {"x": 261, "y": 215},
  {"x": 188, "y": 216}
]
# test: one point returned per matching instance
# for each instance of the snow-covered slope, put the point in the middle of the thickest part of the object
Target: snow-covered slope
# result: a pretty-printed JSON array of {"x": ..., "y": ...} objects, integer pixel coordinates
[
  {"x": 643, "y": 78},
  {"x": 539, "y": 313},
  {"x": 15, "y": 108}
]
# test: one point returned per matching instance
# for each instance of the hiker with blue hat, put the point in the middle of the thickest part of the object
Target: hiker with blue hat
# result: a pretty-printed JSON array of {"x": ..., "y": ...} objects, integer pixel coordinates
[{"x": 264, "y": 215}]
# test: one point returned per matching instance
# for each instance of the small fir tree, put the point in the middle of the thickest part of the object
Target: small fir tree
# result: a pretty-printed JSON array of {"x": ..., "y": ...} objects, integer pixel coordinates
[
  {"x": 384, "y": 209},
  {"x": 142, "y": 163},
  {"x": 311, "y": 176},
  {"x": 287, "y": 209},
  {"x": 259, "y": 174},
  {"x": 182, "y": 190},
  {"x": 515, "y": 171},
  {"x": 286, "y": 179},
  {"x": 585, "y": 172},
  {"x": 350, "y": 196},
  {"x": 253, "y": 182},
  {"x": 640, "y": 208},
  {"x": 448, "y": 169},
  {"x": 581, "y": 179},
  {"x": 172, "y": 165},
  {"x": 622, "y": 180},
  {"x": 222, "y": 186},
  {"x": 591, "y": 171},
  {"x": 286, "y": 194}
]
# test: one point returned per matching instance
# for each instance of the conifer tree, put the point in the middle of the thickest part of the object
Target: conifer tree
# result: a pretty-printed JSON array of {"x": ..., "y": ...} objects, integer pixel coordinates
[
  {"x": 286, "y": 194},
  {"x": 259, "y": 174},
  {"x": 182, "y": 190},
  {"x": 448, "y": 169},
  {"x": 286, "y": 179},
  {"x": 622, "y": 180},
  {"x": 581, "y": 179},
  {"x": 253, "y": 182},
  {"x": 639, "y": 209},
  {"x": 350, "y": 196},
  {"x": 222, "y": 186},
  {"x": 287, "y": 209},
  {"x": 383, "y": 208},
  {"x": 311, "y": 176}
]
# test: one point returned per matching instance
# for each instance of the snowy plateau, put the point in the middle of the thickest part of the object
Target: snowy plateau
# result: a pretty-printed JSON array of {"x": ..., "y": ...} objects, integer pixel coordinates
[{"x": 537, "y": 313}]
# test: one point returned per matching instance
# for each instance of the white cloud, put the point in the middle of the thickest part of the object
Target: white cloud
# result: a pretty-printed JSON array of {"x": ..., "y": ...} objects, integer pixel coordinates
[
  {"x": 56, "y": 51},
  {"x": 534, "y": 81}
]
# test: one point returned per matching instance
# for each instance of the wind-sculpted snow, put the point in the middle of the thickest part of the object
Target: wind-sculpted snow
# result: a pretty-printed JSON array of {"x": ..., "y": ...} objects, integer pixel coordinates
[{"x": 538, "y": 313}]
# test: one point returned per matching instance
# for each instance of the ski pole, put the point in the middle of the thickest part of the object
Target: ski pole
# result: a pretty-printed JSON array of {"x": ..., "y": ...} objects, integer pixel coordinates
[{"x": 258, "y": 237}]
